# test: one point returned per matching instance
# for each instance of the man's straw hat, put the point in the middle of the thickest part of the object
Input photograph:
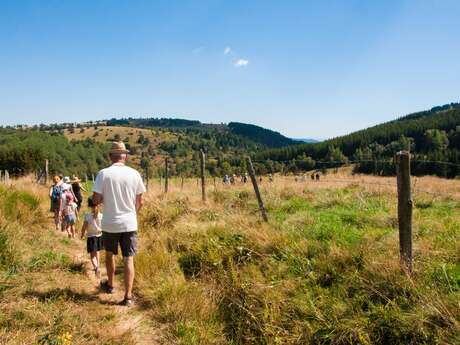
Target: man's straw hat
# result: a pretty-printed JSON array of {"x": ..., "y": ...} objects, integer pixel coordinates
[{"x": 118, "y": 147}]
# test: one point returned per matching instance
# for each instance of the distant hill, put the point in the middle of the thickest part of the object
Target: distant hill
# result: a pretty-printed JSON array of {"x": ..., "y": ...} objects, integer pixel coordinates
[
  {"x": 260, "y": 135},
  {"x": 305, "y": 140},
  {"x": 253, "y": 133},
  {"x": 432, "y": 135},
  {"x": 150, "y": 141}
]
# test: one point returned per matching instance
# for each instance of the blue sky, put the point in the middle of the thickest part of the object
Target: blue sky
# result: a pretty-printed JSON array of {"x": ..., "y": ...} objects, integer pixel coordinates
[{"x": 304, "y": 68}]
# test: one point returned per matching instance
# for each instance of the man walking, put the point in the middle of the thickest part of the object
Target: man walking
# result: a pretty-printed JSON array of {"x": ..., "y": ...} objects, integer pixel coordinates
[{"x": 120, "y": 189}]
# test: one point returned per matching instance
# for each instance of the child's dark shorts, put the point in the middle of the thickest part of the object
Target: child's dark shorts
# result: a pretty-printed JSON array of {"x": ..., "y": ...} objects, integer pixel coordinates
[
  {"x": 94, "y": 244},
  {"x": 127, "y": 241}
]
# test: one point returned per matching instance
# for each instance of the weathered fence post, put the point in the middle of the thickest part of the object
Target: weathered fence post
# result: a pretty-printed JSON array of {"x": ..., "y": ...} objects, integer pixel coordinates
[
  {"x": 92, "y": 175},
  {"x": 252, "y": 174},
  {"x": 405, "y": 205},
  {"x": 166, "y": 174},
  {"x": 146, "y": 177},
  {"x": 182, "y": 183},
  {"x": 202, "y": 173},
  {"x": 46, "y": 171},
  {"x": 7, "y": 177}
]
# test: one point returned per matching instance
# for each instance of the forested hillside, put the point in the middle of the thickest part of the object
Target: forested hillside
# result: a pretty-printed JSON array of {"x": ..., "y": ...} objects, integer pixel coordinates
[
  {"x": 261, "y": 135},
  {"x": 432, "y": 135},
  {"x": 24, "y": 151}
]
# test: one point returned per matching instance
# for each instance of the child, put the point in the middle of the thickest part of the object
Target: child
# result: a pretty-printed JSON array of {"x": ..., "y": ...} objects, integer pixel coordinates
[
  {"x": 66, "y": 198},
  {"x": 92, "y": 227},
  {"x": 70, "y": 213}
]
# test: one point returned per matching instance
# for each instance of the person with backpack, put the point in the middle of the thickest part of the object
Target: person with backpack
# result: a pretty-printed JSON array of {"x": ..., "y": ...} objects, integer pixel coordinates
[{"x": 56, "y": 199}]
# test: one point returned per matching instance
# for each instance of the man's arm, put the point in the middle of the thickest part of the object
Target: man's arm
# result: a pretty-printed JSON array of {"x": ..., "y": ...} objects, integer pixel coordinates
[
  {"x": 97, "y": 198},
  {"x": 97, "y": 190},
  {"x": 139, "y": 202}
]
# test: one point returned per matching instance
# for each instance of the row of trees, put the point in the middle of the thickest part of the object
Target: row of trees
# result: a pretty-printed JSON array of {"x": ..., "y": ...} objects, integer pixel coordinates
[
  {"x": 24, "y": 151},
  {"x": 432, "y": 135}
]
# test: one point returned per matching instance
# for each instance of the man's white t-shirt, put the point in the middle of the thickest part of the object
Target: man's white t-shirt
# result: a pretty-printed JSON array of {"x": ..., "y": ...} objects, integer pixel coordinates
[{"x": 119, "y": 186}]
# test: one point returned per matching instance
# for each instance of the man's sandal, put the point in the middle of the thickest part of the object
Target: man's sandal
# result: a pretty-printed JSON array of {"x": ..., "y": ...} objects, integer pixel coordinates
[
  {"x": 106, "y": 287},
  {"x": 127, "y": 302}
]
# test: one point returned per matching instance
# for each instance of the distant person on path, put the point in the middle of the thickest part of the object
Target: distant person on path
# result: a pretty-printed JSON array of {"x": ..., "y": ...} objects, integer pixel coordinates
[
  {"x": 70, "y": 213},
  {"x": 67, "y": 197},
  {"x": 120, "y": 189},
  {"x": 77, "y": 188},
  {"x": 92, "y": 228},
  {"x": 55, "y": 197}
]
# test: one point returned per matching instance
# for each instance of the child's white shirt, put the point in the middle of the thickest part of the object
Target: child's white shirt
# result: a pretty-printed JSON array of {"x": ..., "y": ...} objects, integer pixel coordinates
[{"x": 94, "y": 228}]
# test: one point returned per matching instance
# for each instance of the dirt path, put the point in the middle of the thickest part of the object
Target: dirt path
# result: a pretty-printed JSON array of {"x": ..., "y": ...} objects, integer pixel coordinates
[{"x": 133, "y": 320}]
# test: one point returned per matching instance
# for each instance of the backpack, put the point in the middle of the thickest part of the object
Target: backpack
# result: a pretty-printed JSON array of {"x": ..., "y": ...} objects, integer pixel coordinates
[{"x": 56, "y": 193}]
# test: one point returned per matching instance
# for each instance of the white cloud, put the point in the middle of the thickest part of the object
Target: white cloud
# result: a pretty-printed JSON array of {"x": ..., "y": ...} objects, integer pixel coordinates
[
  {"x": 197, "y": 50},
  {"x": 240, "y": 63},
  {"x": 227, "y": 50}
]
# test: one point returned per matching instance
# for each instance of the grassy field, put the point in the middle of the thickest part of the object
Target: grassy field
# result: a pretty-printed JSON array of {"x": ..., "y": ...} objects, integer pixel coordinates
[
  {"x": 324, "y": 270},
  {"x": 47, "y": 294},
  {"x": 107, "y": 134}
]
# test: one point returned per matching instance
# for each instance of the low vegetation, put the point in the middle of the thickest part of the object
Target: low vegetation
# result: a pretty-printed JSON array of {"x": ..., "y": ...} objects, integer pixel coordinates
[
  {"x": 45, "y": 296},
  {"x": 325, "y": 270}
]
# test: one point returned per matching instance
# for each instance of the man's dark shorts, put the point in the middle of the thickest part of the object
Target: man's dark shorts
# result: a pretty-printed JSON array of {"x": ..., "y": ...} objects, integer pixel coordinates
[{"x": 127, "y": 241}]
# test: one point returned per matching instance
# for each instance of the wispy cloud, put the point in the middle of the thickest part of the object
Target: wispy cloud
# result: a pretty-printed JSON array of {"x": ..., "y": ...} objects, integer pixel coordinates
[
  {"x": 241, "y": 63},
  {"x": 197, "y": 50},
  {"x": 227, "y": 50}
]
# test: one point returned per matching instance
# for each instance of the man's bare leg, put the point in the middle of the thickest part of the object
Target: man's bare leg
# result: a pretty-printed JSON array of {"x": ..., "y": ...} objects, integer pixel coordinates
[
  {"x": 129, "y": 276},
  {"x": 110, "y": 266}
]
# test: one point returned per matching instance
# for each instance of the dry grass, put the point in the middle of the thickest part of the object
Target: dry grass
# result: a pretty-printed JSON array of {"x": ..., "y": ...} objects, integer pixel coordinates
[
  {"x": 130, "y": 135},
  {"x": 325, "y": 270},
  {"x": 46, "y": 293}
]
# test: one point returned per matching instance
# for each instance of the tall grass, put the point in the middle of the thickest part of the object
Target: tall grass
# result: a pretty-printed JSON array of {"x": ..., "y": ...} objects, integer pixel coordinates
[{"x": 325, "y": 270}]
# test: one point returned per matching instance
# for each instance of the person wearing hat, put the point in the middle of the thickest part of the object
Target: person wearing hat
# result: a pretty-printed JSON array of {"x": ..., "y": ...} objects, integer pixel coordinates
[
  {"x": 55, "y": 197},
  {"x": 120, "y": 189},
  {"x": 77, "y": 188}
]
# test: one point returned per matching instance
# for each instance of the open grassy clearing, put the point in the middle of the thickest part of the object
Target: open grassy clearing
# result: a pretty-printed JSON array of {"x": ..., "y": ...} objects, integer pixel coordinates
[{"x": 325, "y": 270}]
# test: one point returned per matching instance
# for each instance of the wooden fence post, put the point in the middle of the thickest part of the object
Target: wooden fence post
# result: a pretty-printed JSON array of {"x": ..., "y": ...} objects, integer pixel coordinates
[
  {"x": 405, "y": 205},
  {"x": 202, "y": 173},
  {"x": 7, "y": 177},
  {"x": 182, "y": 183},
  {"x": 148, "y": 177},
  {"x": 166, "y": 174},
  {"x": 252, "y": 174},
  {"x": 46, "y": 171}
]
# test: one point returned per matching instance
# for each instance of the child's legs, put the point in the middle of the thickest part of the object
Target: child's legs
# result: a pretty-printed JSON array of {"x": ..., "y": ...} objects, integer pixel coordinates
[
  {"x": 57, "y": 219},
  {"x": 94, "y": 259}
]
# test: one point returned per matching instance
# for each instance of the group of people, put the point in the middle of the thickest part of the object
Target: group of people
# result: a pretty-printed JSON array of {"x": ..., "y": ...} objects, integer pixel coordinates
[
  {"x": 119, "y": 189},
  {"x": 232, "y": 179},
  {"x": 66, "y": 199},
  {"x": 303, "y": 178}
]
